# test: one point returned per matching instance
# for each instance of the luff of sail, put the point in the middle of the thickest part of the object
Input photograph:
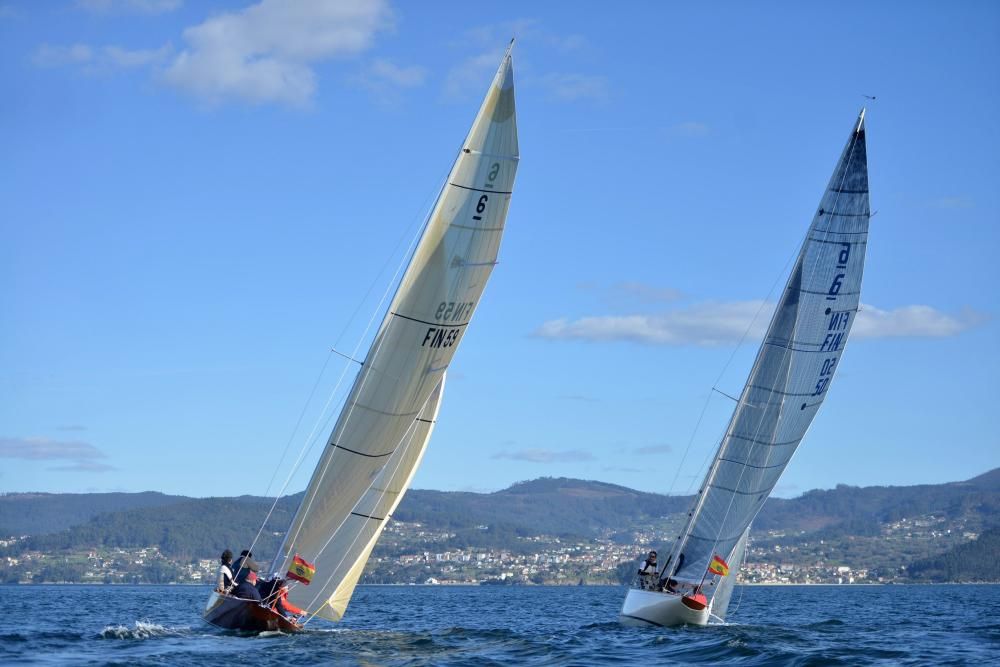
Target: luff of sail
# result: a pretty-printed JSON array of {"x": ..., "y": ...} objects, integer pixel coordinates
[
  {"x": 406, "y": 363},
  {"x": 793, "y": 368}
]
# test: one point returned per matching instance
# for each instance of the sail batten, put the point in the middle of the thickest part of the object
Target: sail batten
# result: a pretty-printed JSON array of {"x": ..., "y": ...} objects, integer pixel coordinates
[
  {"x": 380, "y": 435},
  {"x": 794, "y": 367}
]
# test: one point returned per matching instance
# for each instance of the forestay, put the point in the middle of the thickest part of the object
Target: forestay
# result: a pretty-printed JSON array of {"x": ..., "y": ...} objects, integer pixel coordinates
[
  {"x": 381, "y": 432},
  {"x": 793, "y": 369}
]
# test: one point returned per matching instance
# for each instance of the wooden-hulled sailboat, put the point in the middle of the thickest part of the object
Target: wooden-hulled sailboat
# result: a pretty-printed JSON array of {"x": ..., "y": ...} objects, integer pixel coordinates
[
  {"x": 387, "y": 419},
  {"x": 789, "y": 380}
]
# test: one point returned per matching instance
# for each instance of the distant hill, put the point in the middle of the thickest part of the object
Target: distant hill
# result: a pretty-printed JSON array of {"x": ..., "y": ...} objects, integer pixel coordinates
[
  {"x": 551, "y": 506},
  {"x": 38, "y": 513},
  {"x": 856, "y": 510},
  {"x": 187, "y": 528},
  {"x": 978, "y": 560}
]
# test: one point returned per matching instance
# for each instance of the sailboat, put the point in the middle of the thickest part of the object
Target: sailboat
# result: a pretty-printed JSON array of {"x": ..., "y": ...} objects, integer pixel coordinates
[
  {"x": 790, "y": 378},
  {"x": 387, "y": 419}
]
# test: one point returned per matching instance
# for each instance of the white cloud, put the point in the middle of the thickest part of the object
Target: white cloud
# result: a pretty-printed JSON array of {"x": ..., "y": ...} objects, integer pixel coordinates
[
  {"x": 714, "y": 324},
  {"x": 572, "y": 87},
  {"x": 265, "y": 53},
  {"x": 125, "y": 58},
  {"x": 405, "y": 77},
  {"x": 472, "y": 75},
  {"x": 653, "y": 449},
  {"x": 136, "y": 6},
  {"x": 911, "y": 321},
  {"x": 81, "y": 455},
  {"x": 48, "y": 55},
  {"x": 705, "y": 325},
  {"x": 385, "y": 79},
  {"x": 93, "y": 59},
  {"x": 468, "y": 78},
  {"x": 546, "y": 455}
]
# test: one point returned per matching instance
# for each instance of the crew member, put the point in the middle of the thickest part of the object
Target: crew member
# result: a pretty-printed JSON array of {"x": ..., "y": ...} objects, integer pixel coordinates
[
  {"x": 281, "y": 603},
  {"x": 225, "y": 581},
  {"x": 247, "y": 589},
  {"x": 648, "y": 571}
]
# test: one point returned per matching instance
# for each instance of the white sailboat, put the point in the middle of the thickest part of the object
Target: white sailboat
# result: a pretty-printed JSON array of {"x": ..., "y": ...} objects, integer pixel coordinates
[
  {"x": 387, "y": 419},
  {"x": 789, "y": 380}
]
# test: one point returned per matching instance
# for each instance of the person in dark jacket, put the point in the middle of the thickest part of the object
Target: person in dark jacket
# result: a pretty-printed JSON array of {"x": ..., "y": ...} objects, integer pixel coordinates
[
  {"x": 247, "y": 589},
  {"x": 243, "y": 566}
]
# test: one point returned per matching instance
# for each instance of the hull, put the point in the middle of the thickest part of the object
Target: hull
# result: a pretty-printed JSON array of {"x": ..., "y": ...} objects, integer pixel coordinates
[
  {"x": 663, "y": 609},
  {"x": 231, "y": 613}
]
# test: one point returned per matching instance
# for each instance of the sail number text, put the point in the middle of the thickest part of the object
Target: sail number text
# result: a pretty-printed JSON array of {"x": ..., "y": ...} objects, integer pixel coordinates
[
  {"x": 838, "y": 280},
  {"x": 453, "y": 311},
  {"x": 836, "y": 330}
]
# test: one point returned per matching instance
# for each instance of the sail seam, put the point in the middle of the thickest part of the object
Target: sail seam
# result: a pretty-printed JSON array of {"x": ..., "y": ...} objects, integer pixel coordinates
[
  {"x": 782, "y": 393},
  {"x": 834, "y": 231},
  {"x": 386, "y": 413},
  {"x": 765, "y": 442},
  {"x": 443, "y": 324},
  {"x": 496, "y": 192},
  {"x": 352, "y": 451},
  {"x": 473, "y": 228},
  {"x": 766, "y": 489},
  {"x": 750, "y": 465},
  {"x": 810, "y": 291},
  {"x": 865, "y": 242},
  {"x": 799, "y": 349}
]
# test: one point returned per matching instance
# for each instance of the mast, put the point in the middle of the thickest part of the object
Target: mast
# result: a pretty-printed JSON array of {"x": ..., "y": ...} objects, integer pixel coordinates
[
  {"x": 369, "y": 458},
  {"x": 792, "y": 371}
]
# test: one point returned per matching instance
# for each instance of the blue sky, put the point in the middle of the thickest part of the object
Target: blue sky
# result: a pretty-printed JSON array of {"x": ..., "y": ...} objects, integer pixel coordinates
[{"x": 197, "y": 201}]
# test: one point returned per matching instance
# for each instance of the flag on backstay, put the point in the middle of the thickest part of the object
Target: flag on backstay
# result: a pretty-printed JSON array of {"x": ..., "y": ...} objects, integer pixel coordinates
[
  {"x": 718, "y": 566},
  {"x": 301, "y": 570}
]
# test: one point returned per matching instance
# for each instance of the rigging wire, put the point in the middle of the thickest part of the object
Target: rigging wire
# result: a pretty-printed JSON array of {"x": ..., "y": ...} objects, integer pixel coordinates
[
  {"x": 786, "y": 353},
  {"x": 813, "y": 271},
  {"x": 309, "y": 442}
]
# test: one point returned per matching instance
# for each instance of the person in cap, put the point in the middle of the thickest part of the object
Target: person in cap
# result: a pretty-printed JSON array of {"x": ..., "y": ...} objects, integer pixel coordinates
[
  {"x": 225, "y": 580},
  {"x": 247, "y": 589}
]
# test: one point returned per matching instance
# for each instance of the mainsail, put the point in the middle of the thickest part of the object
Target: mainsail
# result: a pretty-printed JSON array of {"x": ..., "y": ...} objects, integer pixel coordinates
[
  {"x": 380, "y": 435},
  {"x": 792, "y": 371}
]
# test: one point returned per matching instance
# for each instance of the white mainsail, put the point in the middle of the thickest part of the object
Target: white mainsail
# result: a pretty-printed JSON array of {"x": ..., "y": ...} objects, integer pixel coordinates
[
  {"x": 792, "y": 372},
  {"x": 380, "y": 436}
]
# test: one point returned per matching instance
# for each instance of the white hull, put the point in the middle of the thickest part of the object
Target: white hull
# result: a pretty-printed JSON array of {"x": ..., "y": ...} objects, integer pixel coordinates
[{"x": 663, "y": 609}]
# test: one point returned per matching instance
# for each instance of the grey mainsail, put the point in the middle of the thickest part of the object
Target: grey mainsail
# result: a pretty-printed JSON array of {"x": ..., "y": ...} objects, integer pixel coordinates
[{"x": 793, "y": 369}]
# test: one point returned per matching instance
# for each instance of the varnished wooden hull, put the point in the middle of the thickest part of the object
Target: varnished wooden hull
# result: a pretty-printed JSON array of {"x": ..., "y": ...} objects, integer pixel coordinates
[{"x": 231, "y": 613}]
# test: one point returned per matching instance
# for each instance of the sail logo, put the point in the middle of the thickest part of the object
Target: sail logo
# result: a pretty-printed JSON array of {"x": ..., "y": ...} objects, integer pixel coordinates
[{"x": 441, "y": 336}]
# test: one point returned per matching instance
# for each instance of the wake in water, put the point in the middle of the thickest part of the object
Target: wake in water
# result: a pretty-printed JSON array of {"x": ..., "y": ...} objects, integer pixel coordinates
[{"x": 141, "y": 630}]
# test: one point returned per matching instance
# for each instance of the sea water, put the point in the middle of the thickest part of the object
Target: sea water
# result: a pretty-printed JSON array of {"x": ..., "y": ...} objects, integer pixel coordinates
[{"x": 498, "y": 625}]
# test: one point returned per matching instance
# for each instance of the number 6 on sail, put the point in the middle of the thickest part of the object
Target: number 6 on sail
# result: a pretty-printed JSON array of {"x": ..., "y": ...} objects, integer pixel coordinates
[
  {"x": 787, "y": 384},
  {"x": 386, "y": 422}
]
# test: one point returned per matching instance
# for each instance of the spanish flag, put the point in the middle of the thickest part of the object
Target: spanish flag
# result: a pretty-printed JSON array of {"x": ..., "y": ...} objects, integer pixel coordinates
[
  {"x": 301, "y": 570},
  {"x": 718, "y": 566}
]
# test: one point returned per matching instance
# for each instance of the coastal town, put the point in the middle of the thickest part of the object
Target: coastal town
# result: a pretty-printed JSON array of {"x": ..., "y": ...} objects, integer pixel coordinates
[{"x": 411, "y": 553}]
